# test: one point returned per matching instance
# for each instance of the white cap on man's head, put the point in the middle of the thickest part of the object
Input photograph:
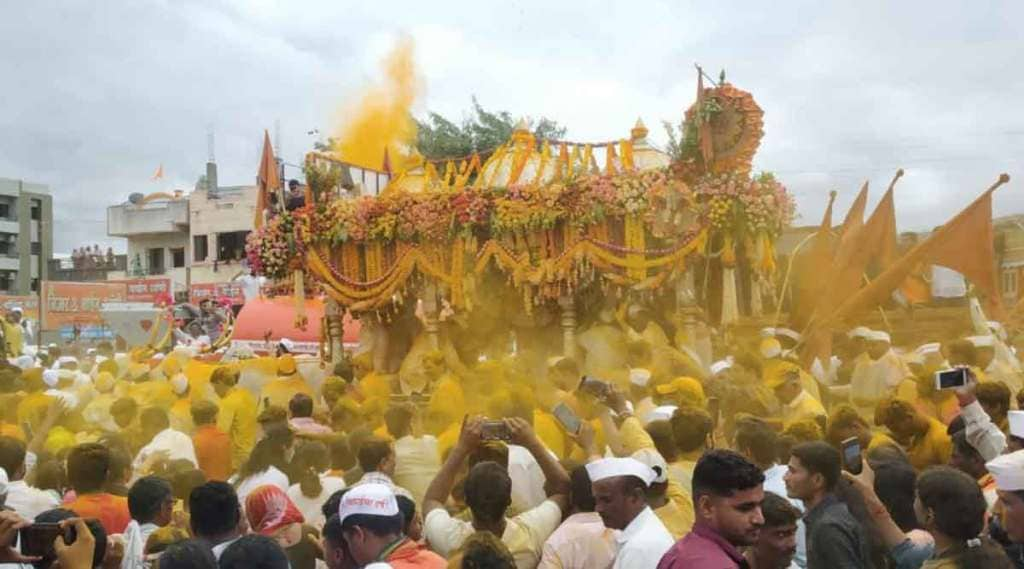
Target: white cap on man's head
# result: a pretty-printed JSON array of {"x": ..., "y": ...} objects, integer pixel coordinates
[
  {"x": 768, "y": 332},
  {"x": 1016, "y": 420},
  {"x": 720, "y": 366},
  {"x": 859, "y": 332},
  {"x": 639, "y": 376},
  {"x": 288, "y": 344},
  {"x": 369, "y": 499},
  {"x": 791, "y": 334},
  {"x": 878, "y": 336},
  {"x": 655, "y": 462},
  {"x": 929, "y": 348},
  {"x": 982, "y": 341},
  {"x": 612, "y": 467},
  {"x": 51, "y": 377},
  {"x": 1008, "y": 471}
]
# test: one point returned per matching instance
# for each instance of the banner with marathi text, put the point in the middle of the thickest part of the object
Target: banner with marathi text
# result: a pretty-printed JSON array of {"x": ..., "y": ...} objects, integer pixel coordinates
[
  {"x": 29, "y": 305},
  {"x": 69, "y": 303},
  {"x": 147, "y": 290},
  {"x": 202, "y": 291}
]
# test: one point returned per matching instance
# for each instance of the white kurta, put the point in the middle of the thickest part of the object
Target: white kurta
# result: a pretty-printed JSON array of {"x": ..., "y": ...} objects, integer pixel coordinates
[
  {"x": 874, "y": 380},
  {"x": 643, "y": 543}
]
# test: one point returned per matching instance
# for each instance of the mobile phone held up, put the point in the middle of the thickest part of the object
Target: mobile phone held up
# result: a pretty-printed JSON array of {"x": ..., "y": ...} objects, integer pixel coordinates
[
  {"x": 853, "y": 461},
  {"x": 951, "y": 378},
  {"x": 37, "y": 539},
  {"x": 495, "y": 431},
  {"x": 569, "y": 421}
]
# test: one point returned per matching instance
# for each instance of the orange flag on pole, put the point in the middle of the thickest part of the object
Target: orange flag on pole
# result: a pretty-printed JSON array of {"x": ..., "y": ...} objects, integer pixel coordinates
[
  {"x": 267, "y": 179},
  {"x": 855, "y": 216},
  {"x": 809, "y": 284},
  {"x": 963, "y": 244},
  {"x": 159, "y": 174},
  {"x": 875, "y": 240}
]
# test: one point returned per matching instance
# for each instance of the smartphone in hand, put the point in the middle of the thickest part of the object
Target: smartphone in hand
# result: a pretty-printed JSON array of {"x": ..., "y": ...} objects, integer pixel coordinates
[{"x": 853, "y": 461}]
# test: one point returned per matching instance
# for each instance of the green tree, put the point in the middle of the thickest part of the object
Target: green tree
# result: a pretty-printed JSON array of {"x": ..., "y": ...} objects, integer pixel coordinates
[{"x": 482, "y": 131}]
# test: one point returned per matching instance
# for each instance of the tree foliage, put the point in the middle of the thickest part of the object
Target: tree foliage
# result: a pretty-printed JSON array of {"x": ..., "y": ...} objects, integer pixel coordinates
[{"x": 481, "y": 131}]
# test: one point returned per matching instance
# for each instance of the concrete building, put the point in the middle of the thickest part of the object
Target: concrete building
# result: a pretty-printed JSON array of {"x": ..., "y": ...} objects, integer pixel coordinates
[
  {"x": 194, "y": 238},
  {"x": 26, "y": 235}
]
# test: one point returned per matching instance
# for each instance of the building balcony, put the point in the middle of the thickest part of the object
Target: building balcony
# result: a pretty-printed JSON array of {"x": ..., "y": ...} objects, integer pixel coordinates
[{"x": 126, "y": 220}]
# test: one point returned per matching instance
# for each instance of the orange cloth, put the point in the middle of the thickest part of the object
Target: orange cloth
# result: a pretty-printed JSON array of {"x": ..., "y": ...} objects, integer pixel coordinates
[
  {"x": 13, "y": 431},
  {"x": 110, "y": 510},
  {"x": 213, "y": 451}
]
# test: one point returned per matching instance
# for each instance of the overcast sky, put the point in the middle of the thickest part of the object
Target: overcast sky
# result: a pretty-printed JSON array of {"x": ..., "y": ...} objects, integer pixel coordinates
[{"x": 97, "y": 94}]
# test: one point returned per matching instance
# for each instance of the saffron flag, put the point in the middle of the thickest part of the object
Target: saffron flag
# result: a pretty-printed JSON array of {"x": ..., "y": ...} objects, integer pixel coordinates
[
  {"x": 809, "y": 284},
  {"x": 267, "y": 179},
  {"x": 963, "y": 244},
  {"x": 855, "y": 216},
  {"x": 159, "y": 174}
]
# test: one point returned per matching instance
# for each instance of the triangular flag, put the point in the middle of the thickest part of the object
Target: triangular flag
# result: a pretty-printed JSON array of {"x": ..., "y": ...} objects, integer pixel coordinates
[
  {"x": 159, "y": 174},
  {"x": 267, "y": 179},
  {"x": 386, "y": 165},
  {"x": 855, "y": 216},
  {"x": 964, "y": 244},
  {"x": 809, "y": 284}
]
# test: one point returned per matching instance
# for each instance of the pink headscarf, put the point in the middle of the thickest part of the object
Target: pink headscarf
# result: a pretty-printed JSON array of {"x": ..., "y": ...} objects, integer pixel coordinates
[{"x": 269, "y": 509}]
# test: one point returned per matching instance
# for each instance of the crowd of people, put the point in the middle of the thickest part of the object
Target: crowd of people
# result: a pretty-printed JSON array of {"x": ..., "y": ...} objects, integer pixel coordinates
[{"x": 670, "y": 453}]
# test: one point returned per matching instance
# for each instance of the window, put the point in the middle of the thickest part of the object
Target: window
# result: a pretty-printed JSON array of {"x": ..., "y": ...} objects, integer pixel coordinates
[
  {"x": 36, "y": 248},
  {"x": 199, "y": 248},
  {"x": 231, "y": 245},
  {"x": 156, "y": 260},
  {"x": 35, "y": 285},
  {"x": 6, "y": 278},
  {"x": 178, "y": 257},
  {"x": 1010, "y": 282},
  {"x": 5, "y": 210},
  {"x": 7, "y": 248},
  {"x": 36, "y": 212}
]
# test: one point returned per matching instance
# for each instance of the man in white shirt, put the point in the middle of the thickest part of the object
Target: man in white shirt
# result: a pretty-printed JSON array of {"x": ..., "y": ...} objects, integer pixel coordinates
[
  {"x": 22, "y": 498},
  {"x": 417, "y": 459},
  {"x": 620, "y": 497},
  {"x": 875, "y": 379},
  {"x": 164, "y": 442},
  {"x": 251, "y": 285},
  {"x": 488, "y": 491}
]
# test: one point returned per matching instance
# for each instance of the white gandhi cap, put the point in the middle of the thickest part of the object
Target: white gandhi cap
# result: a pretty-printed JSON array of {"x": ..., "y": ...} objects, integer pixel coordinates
[
  {"x": 368, "y": 499},
  {"x": 1008, "y": 471},
  {"x": 612, "y": 467},
  {"x": 655, "y": 462},
  {"x": 639, "y": 376},
  {"x": 1016, "y": 420}
]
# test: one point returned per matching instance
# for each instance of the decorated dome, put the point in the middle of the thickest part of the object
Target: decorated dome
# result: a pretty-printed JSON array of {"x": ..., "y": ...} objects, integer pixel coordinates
[{"x": 645, "y": 156}]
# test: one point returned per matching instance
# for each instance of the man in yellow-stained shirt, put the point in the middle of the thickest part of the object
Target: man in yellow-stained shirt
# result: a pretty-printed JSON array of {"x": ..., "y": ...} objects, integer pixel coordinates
[
  {"x": 237, "y": 415},
  {"x": 288, "y": 383}
]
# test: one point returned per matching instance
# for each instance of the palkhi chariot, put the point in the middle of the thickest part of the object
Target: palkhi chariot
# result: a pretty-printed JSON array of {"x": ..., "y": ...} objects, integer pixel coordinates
[{"x": 524, "y": 246}]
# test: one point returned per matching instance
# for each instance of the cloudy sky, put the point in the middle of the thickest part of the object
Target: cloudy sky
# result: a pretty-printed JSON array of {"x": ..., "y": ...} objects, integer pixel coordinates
[{"x": 97, "y": 94}]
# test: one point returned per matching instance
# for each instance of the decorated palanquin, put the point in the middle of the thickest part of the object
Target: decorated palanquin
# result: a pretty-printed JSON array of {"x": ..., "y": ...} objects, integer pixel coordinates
[{"x": 552, "y": 218}]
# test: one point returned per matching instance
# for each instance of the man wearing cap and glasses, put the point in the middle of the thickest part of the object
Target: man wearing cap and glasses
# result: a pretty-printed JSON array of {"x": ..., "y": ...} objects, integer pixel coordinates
[
  {"x": 620, "y": 494},
  {"x": 371, "y": 524},
  {"x": 1008, "y": 472}
]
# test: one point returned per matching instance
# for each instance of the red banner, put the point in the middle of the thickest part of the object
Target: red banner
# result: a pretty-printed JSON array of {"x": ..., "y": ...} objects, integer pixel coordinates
[
  {"x": 66, "y": 303},
  {"x": 148, "y": 290},
  {"x": 199, "y": 292},
  {"x": 29, "y": 305}
]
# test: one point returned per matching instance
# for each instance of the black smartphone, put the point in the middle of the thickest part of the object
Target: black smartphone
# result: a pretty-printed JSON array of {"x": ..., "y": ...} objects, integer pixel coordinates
[
  {"x": 569, "y": 421},
  {"x": 37, "y": 539},
  {"x": 594, "y": 387},
  {"x": 853, "y": 462},
  {"x": 495, "y": 431},
  {"x": 951, "y": 378}
]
